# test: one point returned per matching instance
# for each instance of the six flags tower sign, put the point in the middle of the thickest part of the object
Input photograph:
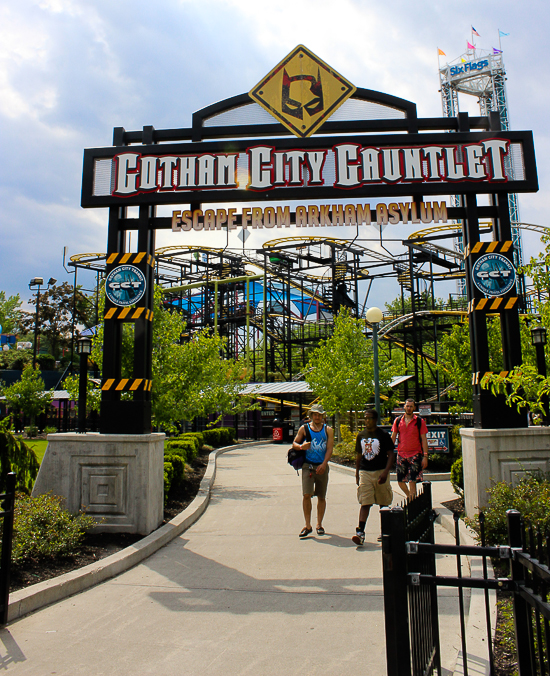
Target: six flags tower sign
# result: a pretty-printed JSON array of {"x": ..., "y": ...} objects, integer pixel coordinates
[{"x": 376, "y": 155}]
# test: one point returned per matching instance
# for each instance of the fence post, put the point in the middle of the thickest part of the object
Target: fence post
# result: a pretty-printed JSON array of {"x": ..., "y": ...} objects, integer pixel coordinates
[
  {"x": 396, "y": 610},
  {"x": 522, "y": 614},
  {"x": 8, "y": 506}
]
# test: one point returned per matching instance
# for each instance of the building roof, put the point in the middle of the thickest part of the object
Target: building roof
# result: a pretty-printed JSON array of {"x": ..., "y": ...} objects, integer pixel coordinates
[{"x": 298, "y": 387}]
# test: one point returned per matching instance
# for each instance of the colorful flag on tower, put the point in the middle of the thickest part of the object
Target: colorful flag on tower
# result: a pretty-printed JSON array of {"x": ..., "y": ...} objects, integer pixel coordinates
[
  {"x": 470, "y": 46},
  {"x": 502, "y": 34},
  {"x": 440, "y": 52},
  {"x": 496, "y": 51},
  {"x": 475, "y": 32}
]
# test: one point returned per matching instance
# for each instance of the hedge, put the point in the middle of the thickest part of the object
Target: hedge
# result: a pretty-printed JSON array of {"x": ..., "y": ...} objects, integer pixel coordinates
[
  {"x": 219, "y": 436},
  {"x": 187, "y": 448},
  {"x": 193, "y": 435},
  {"x": 178, "y": 465}
]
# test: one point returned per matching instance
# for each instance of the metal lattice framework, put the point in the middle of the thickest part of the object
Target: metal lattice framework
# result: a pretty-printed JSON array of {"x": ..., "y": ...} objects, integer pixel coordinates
[
  {"x": 273, "y": 305},
  {"x": 488, "y": 85}
]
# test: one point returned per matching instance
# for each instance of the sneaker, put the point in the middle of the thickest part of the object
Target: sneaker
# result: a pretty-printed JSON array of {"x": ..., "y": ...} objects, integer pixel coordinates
[{"x": 358, "y": 538}]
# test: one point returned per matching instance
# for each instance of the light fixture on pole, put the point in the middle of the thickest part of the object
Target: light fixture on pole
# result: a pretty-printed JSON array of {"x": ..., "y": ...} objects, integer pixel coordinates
[
  {"x": 374, "y": 317},
  {"x": 36, "y": 283},
  {"x": 84, "y": 348}
]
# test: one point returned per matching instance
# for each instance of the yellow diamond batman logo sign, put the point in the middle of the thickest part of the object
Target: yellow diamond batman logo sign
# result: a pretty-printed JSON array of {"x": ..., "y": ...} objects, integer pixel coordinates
[{"x": 302, "y": 92}]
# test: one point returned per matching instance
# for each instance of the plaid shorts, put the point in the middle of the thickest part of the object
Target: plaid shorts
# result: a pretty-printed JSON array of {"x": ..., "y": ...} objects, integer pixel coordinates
[{"x": 409, "y": 469}]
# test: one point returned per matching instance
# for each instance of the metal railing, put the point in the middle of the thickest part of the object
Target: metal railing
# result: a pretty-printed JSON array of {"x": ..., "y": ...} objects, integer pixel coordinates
[
  {"x": 6, "y": 514},
  {"x": 411, "y": 581}
]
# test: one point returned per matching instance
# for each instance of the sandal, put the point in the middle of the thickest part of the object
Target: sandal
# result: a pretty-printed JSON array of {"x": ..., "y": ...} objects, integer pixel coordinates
[
  {"x": 305, "y": 532},
  {"x": 320, "y": 530}
]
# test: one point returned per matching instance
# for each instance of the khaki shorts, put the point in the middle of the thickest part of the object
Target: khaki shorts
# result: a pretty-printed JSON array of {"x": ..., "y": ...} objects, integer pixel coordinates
[
  {"x": 370, "y": 492},
  {"x": 314, "y": 484}
]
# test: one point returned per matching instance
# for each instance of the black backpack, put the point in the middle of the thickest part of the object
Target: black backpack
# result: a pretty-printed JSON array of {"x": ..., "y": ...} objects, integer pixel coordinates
[
  {"x": 296, "y": 458},
  {"x": 418, "y": 425}
]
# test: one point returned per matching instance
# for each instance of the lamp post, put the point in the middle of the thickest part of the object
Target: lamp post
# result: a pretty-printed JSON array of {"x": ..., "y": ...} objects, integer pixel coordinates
[
  {"x": 84, "y": 348},
  {"x": 538, "y": 339},
  {"x": 36, "y": 283},
  {"x": 374, "y": 317}
]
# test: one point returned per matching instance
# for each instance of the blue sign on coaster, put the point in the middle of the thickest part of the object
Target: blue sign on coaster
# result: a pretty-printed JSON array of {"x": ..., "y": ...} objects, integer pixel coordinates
[
  {"x": 494, "y": 274},
  {"x": 125, "y": 285}
]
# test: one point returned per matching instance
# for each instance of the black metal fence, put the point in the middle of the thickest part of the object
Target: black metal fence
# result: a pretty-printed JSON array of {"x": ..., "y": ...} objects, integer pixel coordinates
[
  {"x": 7, "y": 505},
  {"x": 411, "y": 581}
]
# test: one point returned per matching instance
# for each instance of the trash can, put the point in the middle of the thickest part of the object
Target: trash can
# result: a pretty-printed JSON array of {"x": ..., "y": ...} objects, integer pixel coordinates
[
  {"x": 277, "y": 431},
  {"x": 289, "y": 430}
]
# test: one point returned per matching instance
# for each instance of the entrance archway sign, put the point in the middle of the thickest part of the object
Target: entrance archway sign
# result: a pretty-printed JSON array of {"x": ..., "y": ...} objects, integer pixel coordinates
[{"x": 374, "y": 147}]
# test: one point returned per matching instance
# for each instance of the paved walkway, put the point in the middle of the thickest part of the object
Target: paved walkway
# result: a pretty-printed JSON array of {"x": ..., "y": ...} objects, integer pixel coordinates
[{"x": 237, "y": 593}]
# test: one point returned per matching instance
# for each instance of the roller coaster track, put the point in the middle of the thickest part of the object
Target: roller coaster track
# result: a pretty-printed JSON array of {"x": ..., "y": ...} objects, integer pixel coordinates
[
  {"x": 408, "y": 348},
  {"x": 387, "y": 328}
]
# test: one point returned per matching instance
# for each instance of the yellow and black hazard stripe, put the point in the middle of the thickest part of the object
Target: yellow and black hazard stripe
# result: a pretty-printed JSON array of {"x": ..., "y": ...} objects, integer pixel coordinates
[
  {"x": 130, "y": 258},
  {"x": 489, "y": 247},
  {"x": 126, "y": 385},
  {"x": 129, "y": 314},
  {"x": 478, "y": 376},
  {"x": 493, "y": 304}
]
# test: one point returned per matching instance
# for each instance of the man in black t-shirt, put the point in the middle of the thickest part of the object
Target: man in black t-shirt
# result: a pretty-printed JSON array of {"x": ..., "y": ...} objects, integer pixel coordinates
[{"x": 373, "y": 461}]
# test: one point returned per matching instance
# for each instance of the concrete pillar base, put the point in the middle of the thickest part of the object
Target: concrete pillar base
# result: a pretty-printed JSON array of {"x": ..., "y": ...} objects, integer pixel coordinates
[
  {"x": 117, "y": 478},
  {"x": 492, "y": 455}
]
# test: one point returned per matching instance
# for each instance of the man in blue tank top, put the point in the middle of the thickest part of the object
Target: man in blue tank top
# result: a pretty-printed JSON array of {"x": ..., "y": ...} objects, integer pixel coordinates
[{"x": 317, "y": 440}]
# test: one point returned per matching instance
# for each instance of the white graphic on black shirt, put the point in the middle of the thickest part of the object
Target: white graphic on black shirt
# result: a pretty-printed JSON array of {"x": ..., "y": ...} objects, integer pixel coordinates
[{"x": 370, "y": 448}]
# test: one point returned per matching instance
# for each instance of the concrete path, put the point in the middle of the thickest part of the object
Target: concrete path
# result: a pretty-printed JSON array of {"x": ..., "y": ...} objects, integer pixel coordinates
[{"x": 237, "y": 593}]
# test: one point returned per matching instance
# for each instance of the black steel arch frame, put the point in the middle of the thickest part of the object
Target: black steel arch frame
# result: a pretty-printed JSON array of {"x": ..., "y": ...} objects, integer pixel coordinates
[{"x": 134, "y": 416}]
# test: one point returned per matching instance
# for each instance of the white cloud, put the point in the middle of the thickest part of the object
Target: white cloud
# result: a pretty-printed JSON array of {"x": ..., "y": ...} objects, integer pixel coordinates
[{"x": 71, "y": 70}]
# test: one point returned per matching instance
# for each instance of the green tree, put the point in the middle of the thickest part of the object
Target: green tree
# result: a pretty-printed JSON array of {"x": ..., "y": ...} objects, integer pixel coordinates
[
  {"x": 403, "y": 305},
  {"x": 189, "y": 380},
  {"x": 341, "y": 370},
  {"x": 523, "y": 386},
  {"x": 10, "y": 312},
  {"x": 455, "y": 359},
  {"x": 28, "y": 395},
  {"x": 16, "y": 456},
  {"x": 55, "y": 315}
]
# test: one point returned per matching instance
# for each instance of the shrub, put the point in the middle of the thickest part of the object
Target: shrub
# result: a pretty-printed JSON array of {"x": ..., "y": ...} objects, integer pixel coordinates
[
  {"x": 31, "y": 431},
  {"x": 168, "y": 474},
  {"x": 456, "y": 440},
  {"x": 440, "y": 462},
  {"x": 346, "y": 448},
  {"x": 187, "y": 448},
  {"x": 193, "y": 439},
  {"x": 178, "y": 466},
  {"x": 42, "y": 527},
  {"x": 531, "y": 497},
  {"x": 46, "y": 362},
  {"x": 219, "y": 436},
  {"x": 197, "y": 435},
  {"x": 50, "y": 430},
  {"x": 457, "y": 477}
]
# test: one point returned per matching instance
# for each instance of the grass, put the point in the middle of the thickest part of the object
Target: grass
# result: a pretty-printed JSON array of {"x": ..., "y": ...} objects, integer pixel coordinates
[{"x": 39, "y": 446}]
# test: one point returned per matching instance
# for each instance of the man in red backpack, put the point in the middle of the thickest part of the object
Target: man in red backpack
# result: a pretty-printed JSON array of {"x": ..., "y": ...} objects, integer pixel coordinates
[{"x": 412, "y": 448}]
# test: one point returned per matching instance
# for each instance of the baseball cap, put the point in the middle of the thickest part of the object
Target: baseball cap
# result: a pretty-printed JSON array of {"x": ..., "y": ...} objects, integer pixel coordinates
[{"x": 317, "y": 408}]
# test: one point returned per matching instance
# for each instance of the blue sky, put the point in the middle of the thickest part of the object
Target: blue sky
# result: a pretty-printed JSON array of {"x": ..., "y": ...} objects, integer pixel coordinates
[{"x": 71, "y": 70}]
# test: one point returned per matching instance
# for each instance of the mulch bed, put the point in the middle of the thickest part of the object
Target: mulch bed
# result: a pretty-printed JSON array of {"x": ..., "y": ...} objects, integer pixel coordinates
[
  {"x": 455, "y": 506},
  {"x": 99, "y": 545}
]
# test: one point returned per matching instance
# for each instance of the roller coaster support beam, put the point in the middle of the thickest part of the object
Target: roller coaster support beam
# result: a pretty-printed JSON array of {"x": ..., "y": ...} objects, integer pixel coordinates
[{"x": 490, "y": 411}]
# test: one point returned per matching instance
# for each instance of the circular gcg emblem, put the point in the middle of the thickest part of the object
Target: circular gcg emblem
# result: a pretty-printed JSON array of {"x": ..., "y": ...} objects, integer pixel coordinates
[
  {"x": 125, "y": 285},
  {"x": 494, "y": 274}
]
